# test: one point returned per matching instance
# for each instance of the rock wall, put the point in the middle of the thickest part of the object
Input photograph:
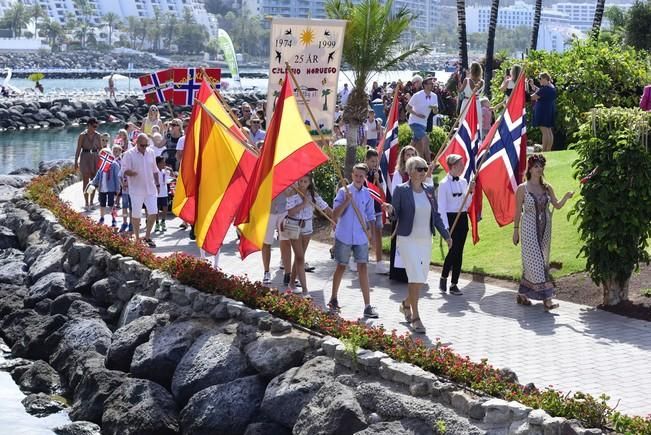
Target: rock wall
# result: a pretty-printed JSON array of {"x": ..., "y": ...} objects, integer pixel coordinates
[{"x": 137, "y": 352}]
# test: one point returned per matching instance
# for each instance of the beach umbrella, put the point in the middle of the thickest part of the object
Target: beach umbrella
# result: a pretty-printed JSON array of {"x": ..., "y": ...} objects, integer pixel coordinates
[
  {"x": 116, "y": 77},
  {"x": 35, "y": 77}
]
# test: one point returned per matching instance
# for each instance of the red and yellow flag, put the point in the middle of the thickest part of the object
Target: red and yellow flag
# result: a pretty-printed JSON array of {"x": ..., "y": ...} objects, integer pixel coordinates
[
  {"x": 214, "y": 172},
  {"x": 288, "y": 153}
]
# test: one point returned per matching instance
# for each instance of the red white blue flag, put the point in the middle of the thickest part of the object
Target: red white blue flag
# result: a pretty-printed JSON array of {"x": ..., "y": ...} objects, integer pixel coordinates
[
  {"x": 505, "y": 150},
  {"x": 187, "y": 82},
  {"x": 105, "y": 160},
  {"x": 465, "y": 141},
  {"x": 157, "y": 86},
  {"x": 388, "y": 147}
]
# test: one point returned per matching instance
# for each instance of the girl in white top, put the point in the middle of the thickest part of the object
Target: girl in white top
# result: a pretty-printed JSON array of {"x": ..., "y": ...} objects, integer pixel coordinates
[
  {"x": 469, "y": 84},
  {"x": 300, "y": 211},
  {"x": 374, "y": 130}
]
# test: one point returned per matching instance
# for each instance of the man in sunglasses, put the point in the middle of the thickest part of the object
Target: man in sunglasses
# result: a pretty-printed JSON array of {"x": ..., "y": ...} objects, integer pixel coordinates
[
  {"x": 452, "y": 191},
  {"x": 139, "y": 166}
]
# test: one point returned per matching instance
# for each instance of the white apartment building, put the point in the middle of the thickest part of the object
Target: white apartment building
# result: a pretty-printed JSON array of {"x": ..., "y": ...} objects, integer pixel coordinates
[
  {"x": 581, "y": 15},
  {"x": 510, "y": 17}
]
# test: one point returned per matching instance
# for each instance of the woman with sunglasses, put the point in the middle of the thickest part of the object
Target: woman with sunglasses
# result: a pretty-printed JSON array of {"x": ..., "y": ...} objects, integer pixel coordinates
[
  {"x": 153, "y": 118},
  {"x": 414, "y": 208},
  {"x": 450, "y": 198}
]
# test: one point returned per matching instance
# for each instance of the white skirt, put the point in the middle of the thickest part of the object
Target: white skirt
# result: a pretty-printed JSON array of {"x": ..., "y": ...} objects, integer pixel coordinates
[{"x": 416, "y": 253}]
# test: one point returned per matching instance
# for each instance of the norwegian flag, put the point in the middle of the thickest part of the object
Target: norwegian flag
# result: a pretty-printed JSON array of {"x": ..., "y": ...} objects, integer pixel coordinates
[
  {"x": 465, "y": 141},
  {"x": 377, "y": 195},
  {"x": 157, "y": 86},
  {"x": 105, "y": 160},
  {"x": 388, "y": 147},
  {"x": 187, "y": 82},
  {"x": 502, "y": 158}
]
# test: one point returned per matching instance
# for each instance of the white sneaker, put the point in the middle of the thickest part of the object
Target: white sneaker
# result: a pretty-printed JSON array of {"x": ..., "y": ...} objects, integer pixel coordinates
[
  {"x": 266, "y": 280},
  {"x": 352, "y": 265},
  {"x": 297, "y": 290},
  {"x": 381, "y": 268}
]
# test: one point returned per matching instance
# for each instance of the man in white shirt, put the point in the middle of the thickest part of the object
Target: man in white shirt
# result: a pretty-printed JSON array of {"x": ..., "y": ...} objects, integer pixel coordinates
[
  {"x": 256, "y": 132},
  {"x": 419, "y": 107},
  {"x": 139, "y": 166},
  {"x": 344, "y": 94}
]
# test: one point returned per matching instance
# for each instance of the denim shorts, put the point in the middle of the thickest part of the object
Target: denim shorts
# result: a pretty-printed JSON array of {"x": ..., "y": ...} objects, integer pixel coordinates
[
  {"x": 418, "y": 130},
  {"x": 342, "y": 252},
  {"x": 126, "y": 201}
]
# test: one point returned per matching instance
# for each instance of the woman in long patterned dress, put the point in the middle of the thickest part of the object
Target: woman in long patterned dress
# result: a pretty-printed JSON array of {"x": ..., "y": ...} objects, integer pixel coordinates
[{"x": 534, "y": 220}]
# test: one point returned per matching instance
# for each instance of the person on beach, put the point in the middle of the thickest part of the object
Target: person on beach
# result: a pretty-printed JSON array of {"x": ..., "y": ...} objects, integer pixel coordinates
[
  {"x": 451, "y": 193},
  {"x": 86, "y": 156},
  {"x": 532, "y": 200},
  {"x": 39, "y": 87},
  {"x": 139, "y": 165},
  {"x": 162, "y": 197},
  {"x": 152, "y": 118},
  {"x": 111, "y": 86},
  {"x": 108, "y": 186},
  {"x": 301, "y": 202},
  {"x": 397, "y": 270},
  {"x": 419, "y": 107},
  {"x": 414, "y": 209},
  {"x": 351, "y": 235},
  {"x": 375, "y": 177},
  {"x": 544, "y": 110}
]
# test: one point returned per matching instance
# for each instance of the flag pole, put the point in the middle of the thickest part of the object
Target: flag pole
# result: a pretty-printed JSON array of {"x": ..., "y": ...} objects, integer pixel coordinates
[
  {"x": 342, "y": 180},
  {"x": 481, "y": 161},
  {"x": 215, "y": 119},
  {"x": 221, "y": 100}
]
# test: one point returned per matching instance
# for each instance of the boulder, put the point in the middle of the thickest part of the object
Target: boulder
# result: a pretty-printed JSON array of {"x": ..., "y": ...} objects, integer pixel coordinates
[
  {"x": 103, "y": 291},
  {"x": 10, "y": 364},
  {"x": 15, "y": 322},
  {"x": 8, "y": 239},
  {"x": 407, "y": 426},
  {"x": 78, "y": 428},
  {"x": 289, "y": 392},
  {"x": 50, "y": 286},
  {"x": 48, "y": 262},
  {"x": 212, "y": 359},
  {"x": 157, "y": 359},
  {"x": 266, "y": 428},
  {"x": 332, "y": 411},
  {"x": 96, "y": 385},
  {"x": 78, "y": 365},
  {"x": 32, "y": 342},
  {"x": 238, "y": 401},
  {"x": 140, "y": 407},
  {"x": 61, "y": 303},
  {"x": 271, "y": 356},
  {"x": 137, "y": 306},
  {"x": 41, "y": 405},
  {"x": 80, "y": 335},
  {"x": 40, "y": 377},
  {"x": 13, "y": 272},
  {"x": 82, "y": 310},
  {"x": 93, "y": 274},
  {"x": 127, "y": 338}
]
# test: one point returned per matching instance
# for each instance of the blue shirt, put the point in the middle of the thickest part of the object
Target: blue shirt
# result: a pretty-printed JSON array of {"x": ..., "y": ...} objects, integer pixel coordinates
[{"x": 349, "y": 230}]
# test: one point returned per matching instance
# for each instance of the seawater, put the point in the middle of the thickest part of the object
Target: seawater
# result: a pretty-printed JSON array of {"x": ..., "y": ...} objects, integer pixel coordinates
[
  {"x": 13, "y": 418},
  {"x": 26, "y": 148}
]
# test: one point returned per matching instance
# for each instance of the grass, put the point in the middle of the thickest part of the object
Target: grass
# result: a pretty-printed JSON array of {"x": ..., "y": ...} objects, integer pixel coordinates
[{"x": 495, "y": 254}]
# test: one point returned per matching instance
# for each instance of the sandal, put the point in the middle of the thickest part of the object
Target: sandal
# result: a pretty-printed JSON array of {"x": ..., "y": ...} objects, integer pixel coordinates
[
  {"x": 523, "y": 300},
  {"x": 549, "y": 305},
  {"x": 150, "y": 243},
  {"x": 417, "y": 326},
  {"x": 406, "y": 311}
]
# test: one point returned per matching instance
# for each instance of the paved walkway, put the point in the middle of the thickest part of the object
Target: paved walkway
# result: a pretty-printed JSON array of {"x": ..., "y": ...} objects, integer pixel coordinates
[{"x": 577, "y": 348}]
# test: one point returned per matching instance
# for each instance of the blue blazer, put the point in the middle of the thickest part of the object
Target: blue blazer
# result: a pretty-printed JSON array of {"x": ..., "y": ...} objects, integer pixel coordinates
[
  {"x": 404, "y": 209},
  {"x": 112, "y": 178}
]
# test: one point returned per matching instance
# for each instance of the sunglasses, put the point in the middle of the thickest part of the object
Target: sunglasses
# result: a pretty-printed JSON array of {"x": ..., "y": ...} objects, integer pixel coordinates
[
  {"x": 422, "y": 169},
  {"x": 174, "y": 125}
]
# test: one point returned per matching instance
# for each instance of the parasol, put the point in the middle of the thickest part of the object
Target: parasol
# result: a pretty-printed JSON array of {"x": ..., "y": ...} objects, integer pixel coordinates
[{"x": 35, "y": 77}]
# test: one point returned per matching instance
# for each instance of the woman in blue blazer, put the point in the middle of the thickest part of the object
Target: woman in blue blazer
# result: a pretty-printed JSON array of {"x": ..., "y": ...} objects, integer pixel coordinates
[{"x": 414, "y": 208}]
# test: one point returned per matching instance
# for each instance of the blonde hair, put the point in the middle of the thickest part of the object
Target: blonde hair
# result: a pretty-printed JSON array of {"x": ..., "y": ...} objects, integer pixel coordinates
[
  {"x": 401, "y": 158},
  {"x": 415, "y": 162}
]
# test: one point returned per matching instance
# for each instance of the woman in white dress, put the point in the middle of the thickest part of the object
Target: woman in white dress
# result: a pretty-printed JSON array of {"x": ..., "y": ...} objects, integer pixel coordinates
[
  {"x": 468, "y": 84},
  {"x": 415, "y": 209}
]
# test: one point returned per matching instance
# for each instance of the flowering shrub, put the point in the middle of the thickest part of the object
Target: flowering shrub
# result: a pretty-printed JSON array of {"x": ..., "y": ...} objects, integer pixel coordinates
[{"x": 438, "y": 359}]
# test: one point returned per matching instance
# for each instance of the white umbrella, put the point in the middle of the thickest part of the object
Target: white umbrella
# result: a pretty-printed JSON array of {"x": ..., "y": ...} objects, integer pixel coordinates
[{"x": 116, "y": 77}]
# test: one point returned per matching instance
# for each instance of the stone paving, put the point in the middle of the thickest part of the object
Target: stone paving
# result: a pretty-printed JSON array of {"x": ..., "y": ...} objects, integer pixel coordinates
[{"x": 576, "y": 348}]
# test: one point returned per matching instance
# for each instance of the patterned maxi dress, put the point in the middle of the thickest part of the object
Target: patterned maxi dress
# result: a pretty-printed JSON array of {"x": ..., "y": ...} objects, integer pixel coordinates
[{"x": 535, "y": 237}]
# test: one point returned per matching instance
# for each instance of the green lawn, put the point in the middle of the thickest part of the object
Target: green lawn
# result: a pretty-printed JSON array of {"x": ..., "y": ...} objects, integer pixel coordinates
[{"x": 495, "y": 253}]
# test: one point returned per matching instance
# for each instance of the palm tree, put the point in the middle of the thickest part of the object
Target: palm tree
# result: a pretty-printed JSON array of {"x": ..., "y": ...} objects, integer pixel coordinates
[
  {"x": 112, "y": 21},
  {"x": 169, "y": 28},
  {"x": 133, "y": 25},
  {"x": 371, "y": 44},
  {"x": 16, "y": 17},
  {"x": 155, "y": 30},
  {"x": 462, "y": 35},
  {"x": 36, "y": 12},
  {"x": 490, "y": 47},
  {"x": 598, "y": 16},
  {"x": 84, "y": 25},
  {"x": 54, "y": 33},
  {"x": 324, "y": 94},
  {"x": 536, "y": 25}
]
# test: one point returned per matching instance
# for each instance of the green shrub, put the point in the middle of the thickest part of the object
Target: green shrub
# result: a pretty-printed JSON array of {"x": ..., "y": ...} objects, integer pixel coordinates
[
  {"x": 404, "y": 135},
  {"x": 326, "y": 179},
  {"x": 590, "y": 73},
  {"x": 437, "y": 138},
  {"x": 615, "y": 206}
]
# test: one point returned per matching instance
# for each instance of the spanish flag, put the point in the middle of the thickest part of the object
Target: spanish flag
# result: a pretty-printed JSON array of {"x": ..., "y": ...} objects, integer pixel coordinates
[
  {"x": 214, "y": 172},
  {"x": 288, "y": 154}
]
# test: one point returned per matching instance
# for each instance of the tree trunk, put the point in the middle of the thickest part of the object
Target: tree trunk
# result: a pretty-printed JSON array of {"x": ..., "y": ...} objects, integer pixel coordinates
[
  {"x": 490, "y": 48},
  {"x": 615, "y": 292},
  {"x": 462, "y": 36},
  {"x": 536, "y": 25},
  {"x": 352, "y": 137},
  {"x": 598, "y": 16}
]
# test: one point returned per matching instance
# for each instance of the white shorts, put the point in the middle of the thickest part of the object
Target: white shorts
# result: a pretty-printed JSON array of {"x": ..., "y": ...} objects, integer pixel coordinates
[
  {"x": 137, "y": 201},
  {"x": 295, "y": 229},
  {"x": 272, "y": 226}
]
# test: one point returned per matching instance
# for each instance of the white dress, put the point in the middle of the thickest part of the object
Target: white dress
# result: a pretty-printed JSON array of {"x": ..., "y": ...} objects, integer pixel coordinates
[{"x": 416, "y": 248}]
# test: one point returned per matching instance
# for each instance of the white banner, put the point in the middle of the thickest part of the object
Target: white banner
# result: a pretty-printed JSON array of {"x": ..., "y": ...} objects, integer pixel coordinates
[{"x": 313, "y": 49}]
